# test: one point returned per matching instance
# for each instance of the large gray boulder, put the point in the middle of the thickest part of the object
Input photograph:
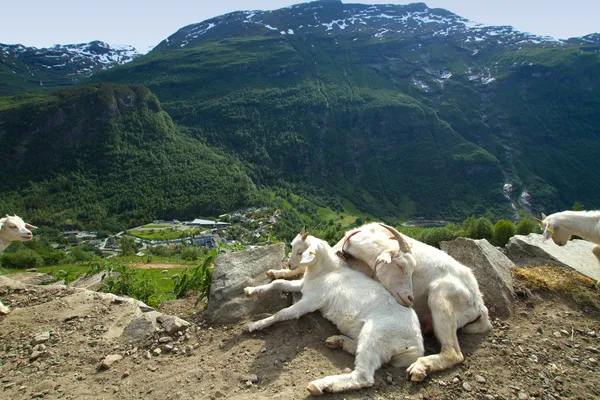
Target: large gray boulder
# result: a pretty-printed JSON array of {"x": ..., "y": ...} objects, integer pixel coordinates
[
  {"x": 94, "y": 281},
  {"x": 491, "y": 269},
  {"x": 33, "y": 278},
  {"x": 234, "y": 271},
  {"x": 532, "y": 250}
]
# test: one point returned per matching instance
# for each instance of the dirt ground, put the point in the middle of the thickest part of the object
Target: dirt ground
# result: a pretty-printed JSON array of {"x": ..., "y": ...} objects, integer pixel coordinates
[{"x": 549, "y": 349}]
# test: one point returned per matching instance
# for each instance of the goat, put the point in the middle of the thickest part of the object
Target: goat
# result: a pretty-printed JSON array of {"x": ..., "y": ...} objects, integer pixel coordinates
[
  {"x": 13, "y": 229},
  {"x": 446, "y": 295},
  {"x": 562, "y": 225},
  {"x": 374, "y": 326}
]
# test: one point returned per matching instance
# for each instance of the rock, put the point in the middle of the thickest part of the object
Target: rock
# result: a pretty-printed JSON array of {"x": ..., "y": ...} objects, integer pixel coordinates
[
  {"x": 234, "y": 271},
  {"x": 532, "y": 250},
  {"x": 479, "y": 379},
  {"x": 491, "y": 269},
  {"x": 91, "y": 282},
  {"x": 523, "y": 396},
  {"x": 466, "y": 386},
  {"x": 41, "y": 338},
  {"x": 33, "y": 278},
  {"x": 3, "y": 309},
  {"x": 252, "y": 378},
  {"x": 35, "y": 355},
  {"x": 139, "y": 330},
  {"x": 157, "y": 351},
  {"x": 172, "y": 324},
  {"x": 110, "y": 360}
]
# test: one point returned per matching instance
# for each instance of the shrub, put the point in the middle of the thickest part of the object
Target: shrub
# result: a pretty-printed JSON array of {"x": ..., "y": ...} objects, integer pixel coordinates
[
  {"x": 126, "y": 281},
  {"x": 480, "y": 228},
  {"x": 433, "y": 236},
  {"x": 23, "y": 258},
  {"x": 503, "y": 231},
  {"x": 526, "y": 226},
  {"x": 197, "y": 278}
]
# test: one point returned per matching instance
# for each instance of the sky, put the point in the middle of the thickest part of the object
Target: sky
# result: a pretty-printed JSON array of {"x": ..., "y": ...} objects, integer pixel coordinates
[{"x": 144, "y": 24}]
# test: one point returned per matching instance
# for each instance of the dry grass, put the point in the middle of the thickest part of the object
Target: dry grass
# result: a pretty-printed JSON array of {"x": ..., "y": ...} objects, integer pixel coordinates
[{"x": 579, "y": 288}]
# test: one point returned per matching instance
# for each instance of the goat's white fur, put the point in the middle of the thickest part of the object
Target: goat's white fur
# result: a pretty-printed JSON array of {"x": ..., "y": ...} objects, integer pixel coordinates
[
  {"x": 446, "y": 294},
  {"x": 562, "y": 225},
  {"x": 374, "y": 326},
  {"x": 13, "y": 229}
]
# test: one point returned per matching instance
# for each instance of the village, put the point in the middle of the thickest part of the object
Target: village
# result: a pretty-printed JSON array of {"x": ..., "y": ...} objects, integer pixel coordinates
[{"x": 247, "y": 226}]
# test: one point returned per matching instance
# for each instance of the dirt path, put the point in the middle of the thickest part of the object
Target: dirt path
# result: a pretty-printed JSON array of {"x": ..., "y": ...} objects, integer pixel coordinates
[
  {"x": 156, "y": 265},
  {"x": 549, "y": 349}
]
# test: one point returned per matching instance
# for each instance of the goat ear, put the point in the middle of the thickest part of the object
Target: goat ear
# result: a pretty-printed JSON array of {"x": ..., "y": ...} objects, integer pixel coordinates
[
  {"x": 386, "y": 257},
  {"x": 309, "y": 255},
  {"x": 302, "y": 232},
  {"x": 29, "y": 226},
  {"x": 304, "y": 235},
  {"x": 543, "y": 216}
]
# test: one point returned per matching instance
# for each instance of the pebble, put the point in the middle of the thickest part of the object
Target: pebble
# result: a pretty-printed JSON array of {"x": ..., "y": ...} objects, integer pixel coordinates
[
  {"x": 157, "y": 351},
  {"x": 251, "y": 378},
  {"x": 125, "y": 374},
  {"x": 557, "y": 334},
  {"x": 466, "y": 386},
  {"x": 455, "y": 380},
  {"x": 592, "y": 349},
  {"x": 523, "y": 396},
  {"x": 479, "y": 379},
  {"x": 147, "y": 355},
  {"x": 41, "y": 338},
  {"x": 110, "y": 360},
  {"x": 35, "y": 355}
]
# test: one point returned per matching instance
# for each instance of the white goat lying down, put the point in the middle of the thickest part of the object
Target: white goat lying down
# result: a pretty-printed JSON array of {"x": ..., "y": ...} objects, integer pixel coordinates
[
  {"x": 12, "y": 229},
  {"x": 443, "y": 292},
  {"x": 374, "y": 326},
  {"x": 561, "y": 226}
]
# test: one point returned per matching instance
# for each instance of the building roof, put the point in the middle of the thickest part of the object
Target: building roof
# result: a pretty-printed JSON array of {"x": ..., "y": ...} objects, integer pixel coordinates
[{"x": 199, "y": 221}]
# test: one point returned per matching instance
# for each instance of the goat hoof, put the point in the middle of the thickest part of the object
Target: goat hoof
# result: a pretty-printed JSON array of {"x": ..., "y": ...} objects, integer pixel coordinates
[
  {"x": 271, "y": 275},
  {"x": 248, "y": 292},
  {"x": 314, "y": 390},
  {"x": 334, "y": 342},
  {"x": 417, "y": 372}
]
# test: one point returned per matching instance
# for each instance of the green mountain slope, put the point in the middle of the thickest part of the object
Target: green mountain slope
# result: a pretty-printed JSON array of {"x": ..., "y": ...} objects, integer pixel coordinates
[
  {"x": 405, "y": 111},
  {"x": 108, "y": 156},
  {"x": 412, "y": 122}
]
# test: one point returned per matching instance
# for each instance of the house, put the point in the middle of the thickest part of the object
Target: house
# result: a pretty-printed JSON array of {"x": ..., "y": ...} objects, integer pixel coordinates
[{"x": 209, "y": 241}]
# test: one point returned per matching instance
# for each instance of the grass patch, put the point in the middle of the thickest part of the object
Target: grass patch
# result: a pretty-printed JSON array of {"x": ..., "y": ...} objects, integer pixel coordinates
[{"x": 580, "y": 288}]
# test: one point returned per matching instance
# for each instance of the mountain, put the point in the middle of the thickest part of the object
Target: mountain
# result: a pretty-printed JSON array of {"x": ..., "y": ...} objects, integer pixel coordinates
[
  {"x": 402, "y": 111},
  {"x": 25, "y": 68},
  {"x": 108, "y": 156}
]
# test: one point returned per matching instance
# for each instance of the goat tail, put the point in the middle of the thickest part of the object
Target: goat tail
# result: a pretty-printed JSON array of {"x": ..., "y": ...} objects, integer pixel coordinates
[{"x": 407, "y": 356}]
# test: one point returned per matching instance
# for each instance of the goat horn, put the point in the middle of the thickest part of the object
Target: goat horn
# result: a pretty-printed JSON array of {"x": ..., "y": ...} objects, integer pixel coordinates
[
  {"x": 539, "y": 221},
  {"x": 543, "y": 216},
  {"x": 402, "y": 244}
]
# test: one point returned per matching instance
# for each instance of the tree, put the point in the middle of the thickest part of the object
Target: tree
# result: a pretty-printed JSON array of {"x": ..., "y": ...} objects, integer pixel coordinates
[
  {"x": 128, "y": 246},
  {"x": 577, "y": 206}
]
